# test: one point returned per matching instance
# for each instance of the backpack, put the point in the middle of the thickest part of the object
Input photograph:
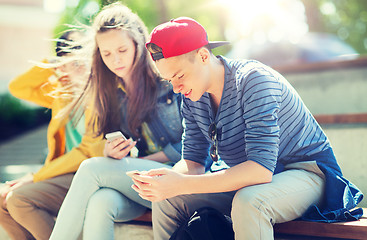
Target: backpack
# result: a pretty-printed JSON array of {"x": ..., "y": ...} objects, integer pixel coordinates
[{"x": 205, "y": 224}]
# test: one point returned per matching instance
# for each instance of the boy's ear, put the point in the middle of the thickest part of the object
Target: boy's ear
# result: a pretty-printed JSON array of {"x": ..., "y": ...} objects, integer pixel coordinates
[{"x": 204, "y": 55}]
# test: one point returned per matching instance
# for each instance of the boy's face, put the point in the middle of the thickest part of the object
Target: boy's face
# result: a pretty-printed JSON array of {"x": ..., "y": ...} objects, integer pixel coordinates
[{"x": 187, "y": 74}]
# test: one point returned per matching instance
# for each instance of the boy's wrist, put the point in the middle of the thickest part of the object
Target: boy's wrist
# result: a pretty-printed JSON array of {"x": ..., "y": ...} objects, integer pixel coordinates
[{"x": 188, "y": 184}]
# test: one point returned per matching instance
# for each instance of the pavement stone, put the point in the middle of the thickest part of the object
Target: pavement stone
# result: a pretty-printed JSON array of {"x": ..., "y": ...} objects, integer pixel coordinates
[
  {"x": 28, "y": 148},
  {"x": 23, "y": 154}
]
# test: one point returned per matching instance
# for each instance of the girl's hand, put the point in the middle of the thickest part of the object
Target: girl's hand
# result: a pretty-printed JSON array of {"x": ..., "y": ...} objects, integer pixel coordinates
[
  {"x": 118, "y": 148},
  {"x": 14, "y": 184},
  {"x": 158, "y": 184},
  {"x": 64, "y": 80}
]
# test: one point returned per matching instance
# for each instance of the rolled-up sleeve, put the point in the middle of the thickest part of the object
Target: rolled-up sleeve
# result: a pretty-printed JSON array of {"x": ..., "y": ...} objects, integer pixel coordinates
[
  {"x": 173, "y": 151},
  {"x": 261, "y": 103}
]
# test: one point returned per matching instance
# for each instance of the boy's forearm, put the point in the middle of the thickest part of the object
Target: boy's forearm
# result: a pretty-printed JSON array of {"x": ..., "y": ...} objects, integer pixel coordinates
[
  {"x": 242, "y": 175},
  {"x": 189, "y": 167}
]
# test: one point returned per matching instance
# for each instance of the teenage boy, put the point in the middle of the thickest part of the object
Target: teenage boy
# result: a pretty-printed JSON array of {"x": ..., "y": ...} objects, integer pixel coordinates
[{"x": 248, "y": 115}]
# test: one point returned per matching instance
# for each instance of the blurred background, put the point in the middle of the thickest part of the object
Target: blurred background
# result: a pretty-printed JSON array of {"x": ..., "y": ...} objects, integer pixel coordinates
[
  {"x": 319, "y": 45},
  {"x": 276, "y": 32}
]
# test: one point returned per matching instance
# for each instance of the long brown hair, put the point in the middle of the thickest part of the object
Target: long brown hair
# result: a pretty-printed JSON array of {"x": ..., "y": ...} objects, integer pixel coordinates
[{"x": 103, "y": 84}]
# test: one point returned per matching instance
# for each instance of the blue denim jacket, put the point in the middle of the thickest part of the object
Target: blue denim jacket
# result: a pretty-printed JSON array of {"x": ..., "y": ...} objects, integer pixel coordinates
[
  {"x": 166, "y": 124},
  {"x": 340, "y": 197}
]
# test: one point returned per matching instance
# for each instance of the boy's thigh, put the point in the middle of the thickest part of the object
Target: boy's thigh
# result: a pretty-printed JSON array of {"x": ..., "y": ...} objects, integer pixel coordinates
[
  {"x": 185, "y": 205},
  {"x": 286, "y": 198}
]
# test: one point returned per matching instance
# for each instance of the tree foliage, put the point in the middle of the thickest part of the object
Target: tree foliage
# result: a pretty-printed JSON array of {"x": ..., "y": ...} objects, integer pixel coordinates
[
  {"x": 152, "y": 12},
  {"x": 345, "y": 18},
  {"x": 17, "y": 117}
]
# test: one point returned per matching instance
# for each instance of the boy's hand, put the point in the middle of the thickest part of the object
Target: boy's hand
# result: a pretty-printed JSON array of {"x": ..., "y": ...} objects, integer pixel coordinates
[
  {"x": 118, "y": 148},
  {"x": 158, "y": 184}
]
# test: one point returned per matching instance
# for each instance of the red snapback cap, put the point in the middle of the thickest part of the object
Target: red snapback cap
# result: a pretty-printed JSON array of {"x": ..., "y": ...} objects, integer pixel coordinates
[{"x": 180, "y": 36}]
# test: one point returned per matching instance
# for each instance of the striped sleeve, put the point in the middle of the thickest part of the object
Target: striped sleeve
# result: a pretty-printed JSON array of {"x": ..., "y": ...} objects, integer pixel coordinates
[
  {"x": 261, "y": 98},
  {"x": 195, "y": 146}
]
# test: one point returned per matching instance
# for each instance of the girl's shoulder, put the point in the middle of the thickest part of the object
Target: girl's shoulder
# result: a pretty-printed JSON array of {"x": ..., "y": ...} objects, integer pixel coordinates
[
  {"x": 163, "y": 87},
  {"x": 165, "y": 93}
]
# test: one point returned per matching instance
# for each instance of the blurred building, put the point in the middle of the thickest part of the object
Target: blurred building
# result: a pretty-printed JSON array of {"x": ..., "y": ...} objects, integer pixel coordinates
[{"x": 25, "y": 31}]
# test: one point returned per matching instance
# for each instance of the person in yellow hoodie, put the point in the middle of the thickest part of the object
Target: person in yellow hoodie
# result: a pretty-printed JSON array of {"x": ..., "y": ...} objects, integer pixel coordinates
[{"x": 29, "y": 205}]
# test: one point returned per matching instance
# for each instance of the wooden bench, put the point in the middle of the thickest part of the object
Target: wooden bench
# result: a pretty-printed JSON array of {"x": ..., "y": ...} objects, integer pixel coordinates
[
  {"x": 140, "y": 228},
  {"x": 344, "y": 230},
  {"x": 146, "y": 217}
]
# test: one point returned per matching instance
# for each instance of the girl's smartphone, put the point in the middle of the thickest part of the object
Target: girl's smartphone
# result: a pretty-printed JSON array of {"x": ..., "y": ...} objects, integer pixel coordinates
[{"x": 115, "y": 135}]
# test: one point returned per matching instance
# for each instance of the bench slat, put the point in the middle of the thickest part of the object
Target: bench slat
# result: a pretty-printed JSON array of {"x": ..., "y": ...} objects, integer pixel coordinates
[
  {"x": 349, "y": 230},
  {"x": 146, "y": 217}
]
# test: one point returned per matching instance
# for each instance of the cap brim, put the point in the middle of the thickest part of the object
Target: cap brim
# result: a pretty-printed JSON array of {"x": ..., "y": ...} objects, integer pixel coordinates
[{"x": 215, "y": 44}]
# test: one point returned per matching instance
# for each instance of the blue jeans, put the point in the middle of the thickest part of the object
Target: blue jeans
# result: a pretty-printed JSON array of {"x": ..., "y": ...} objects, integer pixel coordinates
[{"x": 99, "y": 195}]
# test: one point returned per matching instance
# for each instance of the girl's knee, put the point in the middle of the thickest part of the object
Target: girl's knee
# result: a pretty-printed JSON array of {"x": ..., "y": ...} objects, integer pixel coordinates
[
  {"x": 103, "y": 203},
  {"x": 91, "y": 165},
  {"x": 105, "y": 197},
  {"x": 90, "y": 162},
  {"x": 3, "y": 210},
  {"x": 16, "y": 203},
  {"x": 96, "y": 163}
]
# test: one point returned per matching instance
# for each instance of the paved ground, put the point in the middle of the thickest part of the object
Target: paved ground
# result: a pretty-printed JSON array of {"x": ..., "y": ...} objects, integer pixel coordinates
[{"x": 23, "y": 153}]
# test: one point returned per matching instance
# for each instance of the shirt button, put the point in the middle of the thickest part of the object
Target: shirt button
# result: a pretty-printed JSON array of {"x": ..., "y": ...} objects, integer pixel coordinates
[
  {"x": 169, "y": 101},
  {"x": 162, "y": 138}
]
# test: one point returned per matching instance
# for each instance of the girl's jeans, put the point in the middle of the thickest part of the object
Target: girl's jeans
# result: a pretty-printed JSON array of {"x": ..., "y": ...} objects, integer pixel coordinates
[{"x": 99, "y": 195}]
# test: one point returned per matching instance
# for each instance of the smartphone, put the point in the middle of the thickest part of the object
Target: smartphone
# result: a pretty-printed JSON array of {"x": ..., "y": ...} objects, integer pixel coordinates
[
  {"x": 115, "y": 135},
  {"x": 132, "y": 173}
]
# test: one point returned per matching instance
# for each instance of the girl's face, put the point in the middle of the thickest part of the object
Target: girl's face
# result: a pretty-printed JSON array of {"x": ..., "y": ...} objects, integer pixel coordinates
[
  {"x": 72, "y": 72},
  {"x": 117, "y": 50}
]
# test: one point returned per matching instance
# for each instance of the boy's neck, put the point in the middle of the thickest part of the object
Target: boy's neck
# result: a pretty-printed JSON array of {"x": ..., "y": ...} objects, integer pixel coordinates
[{"x": 216, "y": 81}]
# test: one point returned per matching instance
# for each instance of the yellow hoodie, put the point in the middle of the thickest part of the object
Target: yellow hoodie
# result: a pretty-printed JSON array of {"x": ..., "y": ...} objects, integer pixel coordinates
[{"x": 34, "y": 86}]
